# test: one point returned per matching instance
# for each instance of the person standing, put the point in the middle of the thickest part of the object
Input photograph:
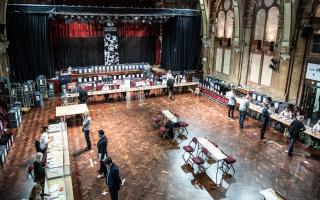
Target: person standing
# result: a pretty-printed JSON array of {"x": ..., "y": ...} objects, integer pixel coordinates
[
  {"x": 102, "y": 151},
  {"x": 113, "y": 179},
  {"x": 295, "y": 127},
  {"x": 86, "y": 129},
  {"x": 39, "y": 171},
  {"x": 316, "y": 127},
  {"x": 244, "y": 105},
  {"x": 170, "y": 83},
  {"x": 42, "y": 144},
  {"x": 231, "y": 104},
  {"x": 83, "y": 95},
  {"x": 265, "y": 119}
]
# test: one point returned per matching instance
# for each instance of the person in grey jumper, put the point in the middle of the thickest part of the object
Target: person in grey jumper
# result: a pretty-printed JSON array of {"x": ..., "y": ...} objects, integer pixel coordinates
[
  {"x": 231, "y": 104},
  {"x": 243, "y": 108},
  {"x": 86, "y": 129}
]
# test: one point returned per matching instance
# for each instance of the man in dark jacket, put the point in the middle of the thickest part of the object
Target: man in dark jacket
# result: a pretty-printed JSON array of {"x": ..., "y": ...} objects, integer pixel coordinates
[
  {"x": 39, "y": 171},
  {"x": 113, "y": 179},
  {"x": 83, "y": 95},
  {"x": 265, "y": 119},
  {"x": 102, "y": 151},
  {"x": 295, "y": 127}
]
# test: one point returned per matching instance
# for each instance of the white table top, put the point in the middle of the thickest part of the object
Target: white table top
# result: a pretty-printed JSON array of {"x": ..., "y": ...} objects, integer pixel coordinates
[
  {"x": 71, "y": 110},
  {"x": 58, "y": 171},
  {"x": 270, "y": 194},
  {"x": 170, "y": 116},
  {"x": 213, "y": 150},
  {"x": 134, "y": 89}
]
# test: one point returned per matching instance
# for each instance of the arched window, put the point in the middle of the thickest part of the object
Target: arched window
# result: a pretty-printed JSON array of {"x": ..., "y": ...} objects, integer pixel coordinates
[
  {"x": 225, "y": 27},
  {"x": 272, "y": 24},
  {"x": 229, "y": 24},
  {"x": 221, "y": 23},
  {"x": 265, "y": 35},
  {"x": 318, "y": 12},
  {"x": 260, "y": 24}
]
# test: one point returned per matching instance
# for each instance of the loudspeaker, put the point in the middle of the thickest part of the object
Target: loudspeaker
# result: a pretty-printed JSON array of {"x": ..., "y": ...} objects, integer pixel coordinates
[
  {"x": 229, "y": 42},
  {"x": 307, "y": 30},
  {"x": 274, "y": 64},
  {"x": 259, "y": 44},
  {"x": 271, "y": 46}
]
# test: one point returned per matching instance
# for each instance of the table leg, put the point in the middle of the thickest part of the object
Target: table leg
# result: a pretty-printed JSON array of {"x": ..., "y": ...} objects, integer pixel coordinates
[{"x": 217, "y": 172}]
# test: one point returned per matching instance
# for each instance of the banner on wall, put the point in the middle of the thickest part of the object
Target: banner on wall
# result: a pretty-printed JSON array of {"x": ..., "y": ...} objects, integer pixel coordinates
[
  {"x": 313, "y": 72},
  {"x": 111, "y": 54}
]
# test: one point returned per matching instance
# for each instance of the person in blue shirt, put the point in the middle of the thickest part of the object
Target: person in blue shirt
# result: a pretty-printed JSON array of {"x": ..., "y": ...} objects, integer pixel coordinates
[{"x": 243, "y": 108}]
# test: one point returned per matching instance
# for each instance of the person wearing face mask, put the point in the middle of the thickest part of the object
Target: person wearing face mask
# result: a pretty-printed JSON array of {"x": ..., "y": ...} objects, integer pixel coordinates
[
  {"x": 102, "y": 151},
  {"x": 316, "y": 128},
  {"x": 113, "y": 179}
]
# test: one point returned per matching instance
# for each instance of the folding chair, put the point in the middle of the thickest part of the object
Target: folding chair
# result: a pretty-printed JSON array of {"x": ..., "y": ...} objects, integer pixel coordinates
[
  {"x": 200, "y": 160},
  {"x": 164, "y": 131},
  {"x": 190, "y": 148},
  {"x": 156, "y": 121},
  {"x": 183, "y": 128},
  {"x": 227, "y": 164}
]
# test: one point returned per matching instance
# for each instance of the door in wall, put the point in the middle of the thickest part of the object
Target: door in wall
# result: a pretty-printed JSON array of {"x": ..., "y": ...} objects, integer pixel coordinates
[{"x": 311, "y": 102}]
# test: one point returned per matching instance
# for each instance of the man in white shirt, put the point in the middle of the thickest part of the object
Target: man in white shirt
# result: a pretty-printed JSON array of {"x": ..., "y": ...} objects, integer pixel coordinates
[
  {"x": 44, "y": 140},
  {"x": 42, "y": 144},
  {"x": 243, "y": 108}
]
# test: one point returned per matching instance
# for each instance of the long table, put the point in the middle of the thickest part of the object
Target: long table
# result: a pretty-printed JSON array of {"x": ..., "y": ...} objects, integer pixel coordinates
[
  {"x": 170, "y": 116},
  {"x": 134, "y": 89},
  {"x": 283, "y": 120},
  {"x": 76, "y": 109},
  {"x": 215, "y": 152},
  {"x": 270, "y": 194},
  {"x": 58, "y": 171}
]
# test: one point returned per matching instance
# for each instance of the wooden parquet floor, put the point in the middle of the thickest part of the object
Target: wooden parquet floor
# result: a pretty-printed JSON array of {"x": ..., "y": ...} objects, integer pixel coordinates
[{"x": 153, "y": 167}]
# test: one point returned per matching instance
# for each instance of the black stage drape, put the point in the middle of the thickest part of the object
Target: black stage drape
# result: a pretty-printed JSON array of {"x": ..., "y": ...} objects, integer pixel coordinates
[
  {"x": 79, "y": 52},
  {"x": 29, "y": 48},
  {"x": 180, "y": 43},
  {"x": 137, "y": 49},
  {"x": 76, "y": 44},
  {"x": 138, "y": 43}
]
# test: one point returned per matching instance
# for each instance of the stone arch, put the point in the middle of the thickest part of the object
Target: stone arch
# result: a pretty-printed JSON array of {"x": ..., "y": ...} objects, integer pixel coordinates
[{"x": 272, "y": 24}]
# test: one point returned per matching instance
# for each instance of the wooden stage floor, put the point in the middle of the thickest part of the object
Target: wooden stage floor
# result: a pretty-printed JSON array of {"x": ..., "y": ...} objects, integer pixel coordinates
[{"x": 153, "y": 167}]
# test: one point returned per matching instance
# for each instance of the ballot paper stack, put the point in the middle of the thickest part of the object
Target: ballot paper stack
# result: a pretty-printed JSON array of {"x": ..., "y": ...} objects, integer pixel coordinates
[
  {"x": 58, "y": 155},
  {"x": 58, "y": 182}
]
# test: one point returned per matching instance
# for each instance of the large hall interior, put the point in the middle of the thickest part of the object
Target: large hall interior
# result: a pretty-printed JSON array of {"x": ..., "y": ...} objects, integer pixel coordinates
[{"x": 160, "y": 99}]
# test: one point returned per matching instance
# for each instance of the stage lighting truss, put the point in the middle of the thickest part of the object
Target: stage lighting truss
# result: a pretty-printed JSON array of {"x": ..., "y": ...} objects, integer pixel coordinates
[{"x": 112, "y": 19}]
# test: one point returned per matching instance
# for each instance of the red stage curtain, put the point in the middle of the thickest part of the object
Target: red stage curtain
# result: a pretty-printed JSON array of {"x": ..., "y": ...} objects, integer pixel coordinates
[
  {"x": 158, "y": 48},
  {"x": 138, "y": 30},
  {"x": 60, "y": 29}
]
